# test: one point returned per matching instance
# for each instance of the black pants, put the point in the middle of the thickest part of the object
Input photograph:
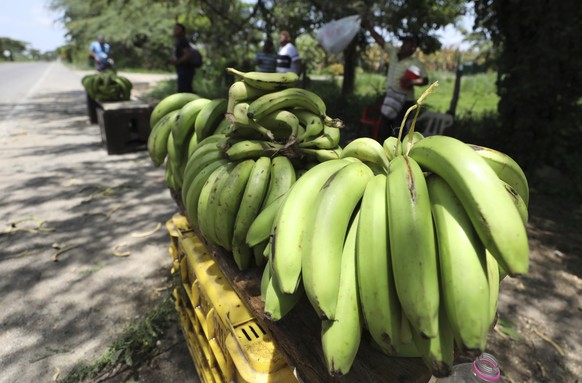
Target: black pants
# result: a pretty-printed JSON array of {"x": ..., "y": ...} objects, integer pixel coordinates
[
  {"x": 185, "y": 78},
  {"x": 390, "y": 127}
]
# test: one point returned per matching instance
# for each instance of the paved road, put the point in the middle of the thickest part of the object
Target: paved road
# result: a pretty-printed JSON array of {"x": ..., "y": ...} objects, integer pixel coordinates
[{"x": 61, "y": 190}]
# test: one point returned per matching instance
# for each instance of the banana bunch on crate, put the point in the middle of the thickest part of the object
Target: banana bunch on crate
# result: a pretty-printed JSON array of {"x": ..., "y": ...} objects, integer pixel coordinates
[
  {"x": 408, "y": 240},
  {"x": 107, "y": 86},
  {"x": 233, "y": 158}
]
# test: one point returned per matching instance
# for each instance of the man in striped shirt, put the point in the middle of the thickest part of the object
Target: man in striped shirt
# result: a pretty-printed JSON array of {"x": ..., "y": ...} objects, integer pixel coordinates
[
  {"x": 266, "y": 61},
  {"x": 404, "y": 73}
]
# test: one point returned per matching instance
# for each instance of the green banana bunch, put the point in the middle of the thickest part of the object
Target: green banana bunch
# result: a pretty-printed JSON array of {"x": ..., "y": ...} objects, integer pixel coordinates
[
  {"x": 340, "y": 338},
  {"x": 267, "y": 81},
  {"x": 325, "y": 233},
  {"x": 486, "y": 201},
  {"x": 412, "y": 245},
  {"x": 107, "y": 86}
]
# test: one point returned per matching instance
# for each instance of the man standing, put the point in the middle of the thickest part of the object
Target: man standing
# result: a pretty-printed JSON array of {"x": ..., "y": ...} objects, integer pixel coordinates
[
  {"x": 404, "y": 73},
  {"x": 100, "y": 51},
  {"x": 266, "y": 61},
  {"x": 181, "y": 59},
  {"x": 288, "y": 59}
]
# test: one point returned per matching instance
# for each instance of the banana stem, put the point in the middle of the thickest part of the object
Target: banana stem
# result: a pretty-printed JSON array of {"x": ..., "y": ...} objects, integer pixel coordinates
[
  {"x": 413, "y": 107},
  {"x": 416, "y": 106},
  {"x": 236, "y": 72}
]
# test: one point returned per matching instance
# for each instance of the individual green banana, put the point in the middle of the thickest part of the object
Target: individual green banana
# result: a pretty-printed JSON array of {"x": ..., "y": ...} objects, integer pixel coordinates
[
  {"x": 329, "y": 139},
  {"x": 311, "y": 121},
  {"x": 192, "y": 144},
  {"x": 158, "y": 138},
  {"x": 228, "y": 205},
  {"x": 380, "y": 305},
  {"x": 290, "y": 226},
  {"x": 169, "y": 176},
  {"x": 323, "y": 155},
  {"x": 191, "y": 194},
  {"x": 173, "y": 102},
  {"x": 282, "y": 178},
  {"x": 486, "y": 201},
  {"x": 391, "y": 146},
  {"x": 267, "y": 81},
  {"x": 210, "y": 117},
  {"x": 259, "y": 253},
  {"x": 518, "y": 202},
  {"x": 325, "y": 232},
  {"x": 284, "y": 99},
  {"x": 242, "y": 91},
  {"x": 241, "y": 132},
  {"x": 202, "y": 150},
  {"x": 493, "y": 278},
  {"x": 462, "y": 265},
  {"x": 208, "y": 201},
  {"x": 241, "y": 120},
  {"x": 404, "y": 147},
  {"x": 173, "y": 163},
  {"x": 223, "y": 127},
  {"x": 247, "y": 149},
  {"x": 438, "y": 352},
  {"x": 184, "y": 126},
  {"x": 506, "y": 169},
  {"x": 277, "y": 303},
  {"x": 367, "y": 150},
  {"x": 412, "y": 245},
  {"x": 260, "y": 229},
  {"x": 252, "y": 198},
  {"x": 340, "y": 338},
  {"x": 283, "y": 124},
  {"x": 197, "y": 166}
]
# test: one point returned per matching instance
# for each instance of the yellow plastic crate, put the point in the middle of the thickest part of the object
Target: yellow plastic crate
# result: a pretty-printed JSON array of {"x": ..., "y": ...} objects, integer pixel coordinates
[{"x": 226, "y": 342}]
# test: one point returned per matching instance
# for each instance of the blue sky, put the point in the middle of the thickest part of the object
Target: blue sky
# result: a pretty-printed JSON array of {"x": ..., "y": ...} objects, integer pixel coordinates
[{"x": 32, "y": 22}]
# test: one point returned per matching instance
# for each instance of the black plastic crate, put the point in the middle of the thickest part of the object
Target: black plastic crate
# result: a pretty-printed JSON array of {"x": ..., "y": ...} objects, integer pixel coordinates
[{"x": 124, "y": 125}]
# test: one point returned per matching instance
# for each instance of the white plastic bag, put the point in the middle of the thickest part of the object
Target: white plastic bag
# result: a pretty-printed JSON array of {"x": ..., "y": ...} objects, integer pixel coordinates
[{"x": 335, "y": 36}]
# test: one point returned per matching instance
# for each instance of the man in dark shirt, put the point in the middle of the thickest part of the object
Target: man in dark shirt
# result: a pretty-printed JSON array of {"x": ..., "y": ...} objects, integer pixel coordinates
[{"x": 182, "y": 59}]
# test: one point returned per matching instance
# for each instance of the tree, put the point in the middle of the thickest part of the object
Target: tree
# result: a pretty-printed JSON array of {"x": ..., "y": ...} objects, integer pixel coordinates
[{"x": 539, "y": 78}]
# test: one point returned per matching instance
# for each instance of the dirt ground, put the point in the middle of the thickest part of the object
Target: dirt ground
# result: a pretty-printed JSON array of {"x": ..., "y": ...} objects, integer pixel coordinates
[{"x": 59, "y": 313}]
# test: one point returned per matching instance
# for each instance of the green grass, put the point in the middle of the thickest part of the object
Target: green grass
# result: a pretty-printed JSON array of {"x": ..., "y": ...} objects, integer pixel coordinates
[{"x": 136, "y": 344}]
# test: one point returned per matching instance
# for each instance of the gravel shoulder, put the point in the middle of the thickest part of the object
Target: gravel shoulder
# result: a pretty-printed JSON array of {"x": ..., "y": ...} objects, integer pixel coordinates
[{"x": 66, "y": 205}]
